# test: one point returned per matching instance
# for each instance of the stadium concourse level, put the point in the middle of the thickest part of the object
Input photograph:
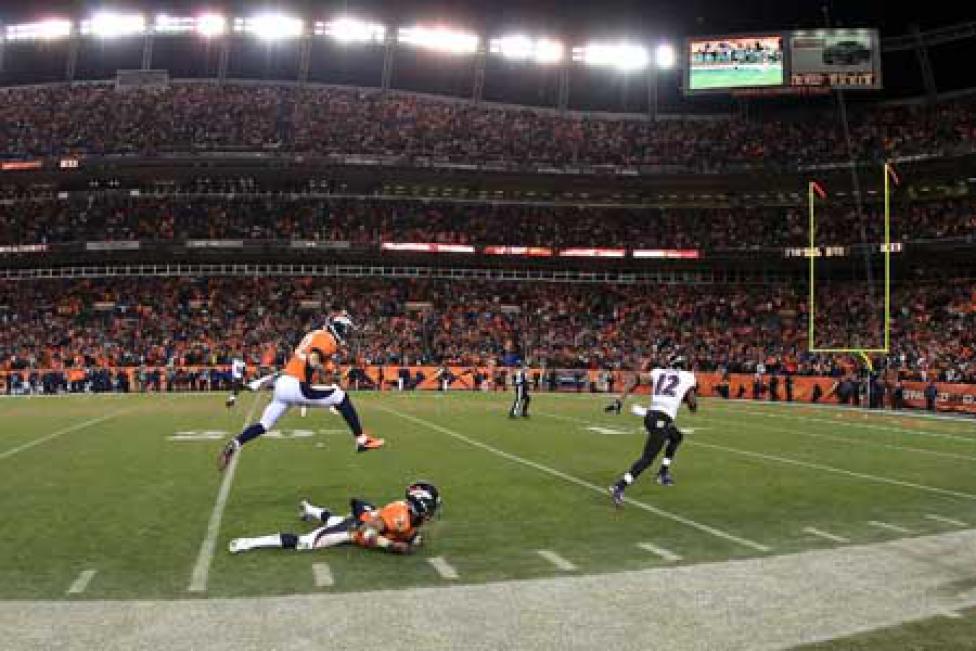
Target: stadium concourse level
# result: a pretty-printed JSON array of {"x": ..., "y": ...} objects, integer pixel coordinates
[
  {"x": 363, "y": 221},
  {"x": 97, "y": 119},
  {"x": 188, "y": 322}
]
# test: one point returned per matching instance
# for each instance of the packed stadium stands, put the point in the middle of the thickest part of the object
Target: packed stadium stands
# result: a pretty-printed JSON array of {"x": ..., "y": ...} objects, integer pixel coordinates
[
  {"x": 189, "y": 322},
  {"x": 371, "y": 221},
  {"x": 96, "y": 119}
]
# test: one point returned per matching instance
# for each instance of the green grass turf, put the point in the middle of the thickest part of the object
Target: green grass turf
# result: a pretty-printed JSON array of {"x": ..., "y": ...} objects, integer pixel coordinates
[
  {"x": 120, "y": 498},
  {"x": 718, "y": 78},
  {"x": 933, "y": 634}
]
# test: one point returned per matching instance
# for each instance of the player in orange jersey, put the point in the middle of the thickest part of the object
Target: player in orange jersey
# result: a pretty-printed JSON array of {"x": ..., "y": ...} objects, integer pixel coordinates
[
  {"x": 395, "y": 527},
  {"x": 293, "y": 387}
]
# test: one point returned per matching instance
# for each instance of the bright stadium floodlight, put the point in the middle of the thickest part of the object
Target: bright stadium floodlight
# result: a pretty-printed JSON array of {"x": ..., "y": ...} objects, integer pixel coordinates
[
  {"x": 524, "y": 48},
  {"x": 270, "y": 27},
  {"x": 210, "y": 25},
  {"x": 111, "y": 25},
  {"x": 42, "y": 30},
  {"x": 166, "y": 24},
  {"x": 622, "y": 56},
  {"x": 206, "y": 25},
  {"x": 665, "y": 56},
  {"x": 441, "y": 39},
  {"x": 351, "y": 30}
]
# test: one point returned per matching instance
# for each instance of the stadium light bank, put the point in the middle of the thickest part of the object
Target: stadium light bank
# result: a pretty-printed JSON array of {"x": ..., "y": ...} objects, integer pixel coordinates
[{"x": 626, "y": 57}]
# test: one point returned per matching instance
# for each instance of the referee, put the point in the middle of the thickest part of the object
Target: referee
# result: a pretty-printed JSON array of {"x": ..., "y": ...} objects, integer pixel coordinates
[{"x": 520, "y": 407}]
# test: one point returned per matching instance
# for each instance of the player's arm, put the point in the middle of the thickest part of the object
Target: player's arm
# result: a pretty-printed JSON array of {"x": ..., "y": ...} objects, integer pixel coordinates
[
  {"x": 691, "y": 398},
  {"x": 619, "y": 401},
  {"x": 370, "y": 534}
]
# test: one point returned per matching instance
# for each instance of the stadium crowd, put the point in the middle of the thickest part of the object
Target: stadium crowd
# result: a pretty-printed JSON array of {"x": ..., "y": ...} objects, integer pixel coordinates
[
  {"x": 119, "y": 216},
  {"x": 173, "y": 325},
  {"x": 97, "y": 119}
]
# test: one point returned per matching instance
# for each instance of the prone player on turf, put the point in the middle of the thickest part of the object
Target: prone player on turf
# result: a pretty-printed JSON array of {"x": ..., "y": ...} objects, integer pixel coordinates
[{"x": 395, "y": 527}]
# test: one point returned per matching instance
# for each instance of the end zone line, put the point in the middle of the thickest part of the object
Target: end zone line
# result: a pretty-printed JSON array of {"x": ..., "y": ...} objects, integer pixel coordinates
[
  {"x": 201, "y": 569},
  {"x": 718, "y": 533}
]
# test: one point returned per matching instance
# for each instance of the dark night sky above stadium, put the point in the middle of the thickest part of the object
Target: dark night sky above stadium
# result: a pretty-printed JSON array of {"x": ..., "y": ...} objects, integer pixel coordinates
[{"x": 580, "y": 18}]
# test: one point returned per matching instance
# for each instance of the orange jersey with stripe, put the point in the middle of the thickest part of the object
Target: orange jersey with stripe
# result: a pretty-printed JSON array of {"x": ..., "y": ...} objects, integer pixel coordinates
[
  {"x": 397, "y": 522},
  {"x": 320, "y": 340}
]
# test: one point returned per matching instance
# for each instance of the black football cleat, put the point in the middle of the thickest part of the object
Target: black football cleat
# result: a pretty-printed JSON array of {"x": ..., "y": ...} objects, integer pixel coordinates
[
  {"x": 664, "y": 478},
  {"x": 617, "y": 496},
  {"x": 227, "y": 454}
]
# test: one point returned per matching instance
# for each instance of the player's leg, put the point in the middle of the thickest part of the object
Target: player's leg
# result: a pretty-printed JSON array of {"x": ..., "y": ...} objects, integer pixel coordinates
[
  {"x": 513, "y": 412},
  {"x": 675, "y": 437},
  {"x": 655, "y": 441},
  {"x": 311, "y": 513},
  {"x": 274, "y": 411},
  {"x": 236, "y": 385},
  {"x": 333, "y": 396},
  {"x": 526, "y": 399}
]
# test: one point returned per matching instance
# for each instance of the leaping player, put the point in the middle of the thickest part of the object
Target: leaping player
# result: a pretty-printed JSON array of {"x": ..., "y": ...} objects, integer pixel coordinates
[
  {"x": 670, "y": 387},
  {"x": 294, "y": 388},
  {"x": 394, "y": 528}
]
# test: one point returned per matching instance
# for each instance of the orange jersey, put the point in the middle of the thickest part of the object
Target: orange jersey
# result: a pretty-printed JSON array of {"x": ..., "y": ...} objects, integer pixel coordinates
[
  {"x": 397, "y": 522},
  {"x": 320, "y": 340}
]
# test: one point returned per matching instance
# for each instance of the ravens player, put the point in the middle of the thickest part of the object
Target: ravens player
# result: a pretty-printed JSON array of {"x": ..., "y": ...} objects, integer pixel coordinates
[
  {"x": 670, "y": 387},
  {"x": 395, "y": 527},
  {"x": 293, "y": 387}
]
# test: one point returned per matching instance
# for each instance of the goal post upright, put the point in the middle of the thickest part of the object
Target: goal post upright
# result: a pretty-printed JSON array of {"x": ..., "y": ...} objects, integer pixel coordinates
[{"x": 814, "y": 190}]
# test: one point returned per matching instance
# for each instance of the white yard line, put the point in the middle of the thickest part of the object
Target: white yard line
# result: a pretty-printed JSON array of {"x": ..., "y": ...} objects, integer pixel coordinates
[
  {"x": 943, "y": 519},
  {"x": 804, "y": 464},
  {"x": 201, "y": 569},
  {"x": 81, "y": 583},
  {"x": 61, "y": 432},
  {"x": 879, "y": 413},
  {"x": 853, "y": 441},
  {"x": 826, "y": 535},
  {"x": 442, "y": 567},
  {"x": 718, "y": 533},
  {"x": 557, "y": 560},
  {"x": 322, "y": 575},
  {"x": 769, "y": 413},
  {"x": 765, "y": 603},
  {"x": 889, "y": 527},
  {"x": 838, "y": 471},
  {"x": 666, "y": 554}
]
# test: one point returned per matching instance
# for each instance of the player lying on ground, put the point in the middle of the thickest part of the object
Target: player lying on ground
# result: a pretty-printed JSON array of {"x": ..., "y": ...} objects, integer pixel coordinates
[
  {"x": 294, "y": 388},
  {"x": 395, "y": 527},
  {"x": 670, "y": 387}
]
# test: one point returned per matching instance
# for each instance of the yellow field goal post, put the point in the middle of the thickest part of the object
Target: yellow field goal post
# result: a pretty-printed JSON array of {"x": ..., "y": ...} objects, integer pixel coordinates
[{"x": 815, "y": 190}]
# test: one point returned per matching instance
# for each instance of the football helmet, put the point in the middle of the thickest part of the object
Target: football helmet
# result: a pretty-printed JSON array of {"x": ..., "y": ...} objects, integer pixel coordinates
[
  {"x": 678, "y": 361},
  {"x": 424, "y": 499},
  {"x": 340, "y": 326}
]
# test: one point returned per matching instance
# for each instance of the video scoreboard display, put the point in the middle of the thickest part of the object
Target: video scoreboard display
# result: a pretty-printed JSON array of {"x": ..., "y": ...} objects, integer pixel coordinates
[
  {"x": 781, "y": 63},
  {"x": 735, "y": 62}
]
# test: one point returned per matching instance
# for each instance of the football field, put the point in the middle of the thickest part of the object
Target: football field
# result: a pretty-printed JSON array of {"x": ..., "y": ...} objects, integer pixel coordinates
[{"x": 109, "y": 499}]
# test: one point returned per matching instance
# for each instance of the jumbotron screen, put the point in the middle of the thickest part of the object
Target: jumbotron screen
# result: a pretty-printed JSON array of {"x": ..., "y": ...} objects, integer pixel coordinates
[
  {"x": 835, "y": 58},
  {"x": 730, "y": 62}
]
